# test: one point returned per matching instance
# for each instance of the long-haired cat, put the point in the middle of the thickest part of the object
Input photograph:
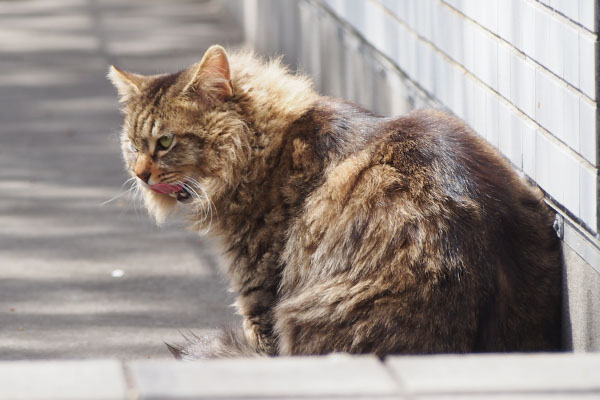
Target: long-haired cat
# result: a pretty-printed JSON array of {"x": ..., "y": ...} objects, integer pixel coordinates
[{"x": 345, "y": 231}]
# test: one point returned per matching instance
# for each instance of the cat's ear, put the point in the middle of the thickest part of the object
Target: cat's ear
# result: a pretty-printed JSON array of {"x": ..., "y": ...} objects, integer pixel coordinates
[
  {"x": 128, "y": 84},
  {"x": 211, "y": 76}
]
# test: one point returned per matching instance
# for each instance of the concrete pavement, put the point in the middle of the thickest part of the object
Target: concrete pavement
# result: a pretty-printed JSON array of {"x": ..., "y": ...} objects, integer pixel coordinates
[
  {"x": 62, "y": 292},
  {"x": 338, "y": 376}
]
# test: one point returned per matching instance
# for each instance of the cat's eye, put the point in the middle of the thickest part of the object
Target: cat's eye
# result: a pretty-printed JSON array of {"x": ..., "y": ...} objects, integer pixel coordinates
[
  {"x": 133, "y": 148},
  {"x": 165, "y": 141}
]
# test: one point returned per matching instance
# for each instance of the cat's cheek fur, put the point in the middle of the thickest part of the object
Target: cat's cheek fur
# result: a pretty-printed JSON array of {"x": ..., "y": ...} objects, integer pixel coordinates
[{"x": 159, "y": 206}]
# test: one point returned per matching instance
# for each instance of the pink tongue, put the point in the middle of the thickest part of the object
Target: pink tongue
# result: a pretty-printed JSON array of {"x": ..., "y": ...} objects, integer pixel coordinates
[{"x": 164, "y": 188}]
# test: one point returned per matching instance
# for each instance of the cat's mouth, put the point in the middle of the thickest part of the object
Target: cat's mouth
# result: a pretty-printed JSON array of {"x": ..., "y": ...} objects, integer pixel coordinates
[
  {"x": 183, "y": 195},
  {"x": 176, "y": 191}
]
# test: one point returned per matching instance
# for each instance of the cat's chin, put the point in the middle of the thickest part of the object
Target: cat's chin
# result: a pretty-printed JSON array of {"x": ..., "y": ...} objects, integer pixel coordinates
[{"x": 158, "y": 205}]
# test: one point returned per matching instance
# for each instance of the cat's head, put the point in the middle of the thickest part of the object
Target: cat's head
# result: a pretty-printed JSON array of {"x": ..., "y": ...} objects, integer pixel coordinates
[{"x": 182, "y": 138}]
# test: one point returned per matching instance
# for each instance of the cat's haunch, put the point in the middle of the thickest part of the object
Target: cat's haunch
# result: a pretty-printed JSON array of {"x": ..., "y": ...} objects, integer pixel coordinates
[{"x": 345, "y": 231}]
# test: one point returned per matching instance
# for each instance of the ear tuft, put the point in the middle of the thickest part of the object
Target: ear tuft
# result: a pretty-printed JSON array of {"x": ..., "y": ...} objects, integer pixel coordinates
[
  {"x": 127, "y": 83},
  {"x": 211, "y": 75}
]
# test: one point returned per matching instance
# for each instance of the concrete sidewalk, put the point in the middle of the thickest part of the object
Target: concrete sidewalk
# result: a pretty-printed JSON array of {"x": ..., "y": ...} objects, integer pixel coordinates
[
  {"x": 61, "y": 250},
  {"x": 510, "y": 377}
]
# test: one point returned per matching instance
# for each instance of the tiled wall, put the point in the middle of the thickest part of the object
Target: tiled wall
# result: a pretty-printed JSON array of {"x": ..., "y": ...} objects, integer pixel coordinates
[{"x": 522, "y": 73}]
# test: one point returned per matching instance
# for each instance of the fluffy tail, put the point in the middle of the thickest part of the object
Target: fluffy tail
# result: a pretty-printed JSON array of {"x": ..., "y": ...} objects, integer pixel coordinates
[{"x": 227, "y": 342}]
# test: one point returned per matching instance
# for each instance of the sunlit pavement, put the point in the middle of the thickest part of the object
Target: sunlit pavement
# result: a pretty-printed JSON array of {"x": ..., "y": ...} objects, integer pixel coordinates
[{"x": 81, "y": 278}]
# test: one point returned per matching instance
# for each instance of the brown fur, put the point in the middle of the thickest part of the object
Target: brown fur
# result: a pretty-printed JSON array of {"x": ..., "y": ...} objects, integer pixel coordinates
[{"x": 346, "y": 231}]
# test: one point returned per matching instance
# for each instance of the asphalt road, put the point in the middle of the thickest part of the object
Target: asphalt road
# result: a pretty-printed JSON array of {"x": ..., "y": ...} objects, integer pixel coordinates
[{"x": 79, "y": 278}]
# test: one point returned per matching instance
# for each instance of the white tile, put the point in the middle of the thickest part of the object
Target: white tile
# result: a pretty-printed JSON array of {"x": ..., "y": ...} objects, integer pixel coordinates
[
  {"x": 468, "y": 49},
  {"x": 471, "y": 9},
  {"x": 528, "y": 20},
  {"x": 356, "y": 16},
  {"x": 570, "y": 8},
  {"x": 549, "y": 102},
  {"x": 448, "y": 34},
  {"x": 515, "y": 150},
  {"x": 543, "y": 161},
  {"x": 517, "y": 26},
  {"x": 441, "y": 26},
  {"x": 588, "y": 196},
  {"x": 486, "y": 64},
  {"x": 528, "y": 140},
  {"x": 571, "y": 118},
  {"x": 492, "y": 118},
  {"x": 587, "y": 65},
  {"x": 570, "y": 41},
  {"x": 425, "y": 65},
  {"x": 555, "y": 49},
  {"x": 391, "y": 37},
  {"x": 542, "y": 42},
  {"x": 399, "y": 104},
  {"x": 504, "y": 127},
  {"x": 374, "y": 26},
  {"x": 587, "y": 14},
  {"x": 558, "y": 176},
  {"x": 401, "y": 55},
  {"x": 523, "y": 84},
  {"x": 469, "y": 100},
  {"x": 454, "y": 3},
  {"x": 479, "y": 103},
  {"x": 554, "y": 169},
  {"x": 423, "y": 23},
  {"x": 588, "y": 138},
  {"x": 504, "y": 54},
  {"x": 391, "y": 5},
  {"x": 458, "y": 103},
  {"x": 489, "y": 11},
  {"x": 570, "y": 183},
  {"x": 410, "y": 12},
  {"x": 506, "y": 20},
  {"x": 441, "y": 79},
  {"x": 337, "y": 6},
  {"x": 411, "y": 62}
]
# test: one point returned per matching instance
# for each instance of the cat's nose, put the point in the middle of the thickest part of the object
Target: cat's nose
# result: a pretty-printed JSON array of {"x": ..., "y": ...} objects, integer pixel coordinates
[{"x": 145, "y": 176}]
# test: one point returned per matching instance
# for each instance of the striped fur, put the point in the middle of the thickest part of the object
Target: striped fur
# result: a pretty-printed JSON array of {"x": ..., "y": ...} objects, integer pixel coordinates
[{"x": 345, "y": 231}]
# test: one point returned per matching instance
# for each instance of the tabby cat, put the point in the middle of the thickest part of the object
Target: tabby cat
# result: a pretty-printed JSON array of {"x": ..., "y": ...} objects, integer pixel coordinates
[{"x": 346, "y": 231}]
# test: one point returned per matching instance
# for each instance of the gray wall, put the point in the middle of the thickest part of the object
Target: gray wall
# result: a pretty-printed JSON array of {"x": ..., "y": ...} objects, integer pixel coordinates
[{"x": 522, "y": 73}]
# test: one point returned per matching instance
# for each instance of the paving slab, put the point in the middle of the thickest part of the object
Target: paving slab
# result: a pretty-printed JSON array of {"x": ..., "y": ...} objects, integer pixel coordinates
[
  {"x": 336, "y": 376},
  {"x": 82, "y": 277},
  {"x": 65, "y": 380},
  {"x": 507, "y": 375}
]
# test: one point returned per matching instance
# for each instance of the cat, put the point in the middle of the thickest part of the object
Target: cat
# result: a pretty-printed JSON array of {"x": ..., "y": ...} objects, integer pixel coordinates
[{"x": 345, "y": 231}]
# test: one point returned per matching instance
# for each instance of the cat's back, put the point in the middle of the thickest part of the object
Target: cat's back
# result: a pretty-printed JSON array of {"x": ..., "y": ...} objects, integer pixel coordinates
[{"x": 422, "y": 208}]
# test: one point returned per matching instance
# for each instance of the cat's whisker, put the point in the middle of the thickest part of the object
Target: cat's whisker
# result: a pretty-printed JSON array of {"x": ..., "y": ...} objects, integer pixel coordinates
[
  {"x": 120, "y": 194},
  {"x": 199, "y": 205},
  {"x": 205, "y": 201}
]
